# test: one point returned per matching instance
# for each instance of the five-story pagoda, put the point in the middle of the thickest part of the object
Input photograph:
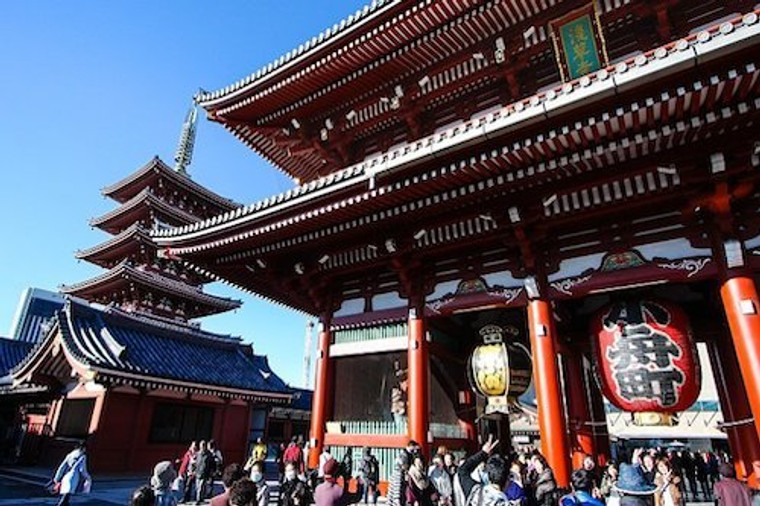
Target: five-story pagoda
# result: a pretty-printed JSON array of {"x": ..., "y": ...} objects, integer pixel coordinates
[
  {"x": 154, "y": 197},
  {"x": 130, "y": 373}
]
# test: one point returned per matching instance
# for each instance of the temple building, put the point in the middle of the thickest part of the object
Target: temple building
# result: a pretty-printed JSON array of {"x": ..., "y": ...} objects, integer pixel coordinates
[
  {"x": 563, "y": 193},
  {"x": 120, "y": 361}
]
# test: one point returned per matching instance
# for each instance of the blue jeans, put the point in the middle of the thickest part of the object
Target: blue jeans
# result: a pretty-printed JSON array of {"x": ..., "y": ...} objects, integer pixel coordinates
[
  {"x": 200, "y": 488},
  {"x": 165, "y": 498}
]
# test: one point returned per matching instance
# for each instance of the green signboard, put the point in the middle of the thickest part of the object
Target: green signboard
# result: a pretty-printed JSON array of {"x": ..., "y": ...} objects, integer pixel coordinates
[{"x": 579, "y": 46}]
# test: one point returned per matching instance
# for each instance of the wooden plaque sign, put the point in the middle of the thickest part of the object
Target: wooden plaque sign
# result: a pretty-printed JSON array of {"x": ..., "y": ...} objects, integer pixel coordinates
[{"x": 578, "y": 43}]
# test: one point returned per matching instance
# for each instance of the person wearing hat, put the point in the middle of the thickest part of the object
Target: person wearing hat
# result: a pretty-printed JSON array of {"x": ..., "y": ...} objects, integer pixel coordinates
[
  {"x": 729, "y": 491},
  {"x": 330, "y": 494},
  {"x": 633, "y": 487}
]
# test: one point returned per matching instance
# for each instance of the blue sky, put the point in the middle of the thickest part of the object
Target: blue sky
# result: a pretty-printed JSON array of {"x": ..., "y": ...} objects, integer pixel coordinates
[{"x": 91, "y": 90}]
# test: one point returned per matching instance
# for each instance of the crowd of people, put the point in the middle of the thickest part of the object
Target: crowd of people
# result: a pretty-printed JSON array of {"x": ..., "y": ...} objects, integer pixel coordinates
[{"x": 651, "y": 477}]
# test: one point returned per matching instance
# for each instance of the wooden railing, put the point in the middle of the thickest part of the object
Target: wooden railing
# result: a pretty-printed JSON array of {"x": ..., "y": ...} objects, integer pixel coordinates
[
  {"x": 385, "y": 457},
  {"x": 358, "y": 335},
  {"x": 379, "y": 427},
  {"x": 367, "y": 427}
]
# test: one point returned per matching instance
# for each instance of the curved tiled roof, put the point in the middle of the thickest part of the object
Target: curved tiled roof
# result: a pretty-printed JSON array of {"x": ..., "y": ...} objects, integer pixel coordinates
[
  {"x": 133, "y": 233},
  {"x": 728, "y": 35},
  {"x": 12, "y": 352},
  {"x": 327, "y": 36},
  {"x": 158, "y": 165},
  {"x": 130, "y": 350},
  {"x": 291, "y": 197},
  {"x": 145, "y": 198},
  {"x": 154, "y": 281}
]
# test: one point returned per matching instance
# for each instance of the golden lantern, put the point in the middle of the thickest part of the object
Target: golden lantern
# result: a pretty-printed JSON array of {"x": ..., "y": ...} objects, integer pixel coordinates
[{"x": 498, "y": 371}]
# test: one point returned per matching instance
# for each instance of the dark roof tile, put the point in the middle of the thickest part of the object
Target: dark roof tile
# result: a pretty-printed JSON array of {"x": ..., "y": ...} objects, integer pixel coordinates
[
  {"x": 11, "y": 353},
  {"x": 113, "y": 343}
]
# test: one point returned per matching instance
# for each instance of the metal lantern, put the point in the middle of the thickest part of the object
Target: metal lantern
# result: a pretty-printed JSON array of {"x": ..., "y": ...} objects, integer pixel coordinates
[
  {"x": 499, "y": 371},
  {"x": 646, "y": 356}
]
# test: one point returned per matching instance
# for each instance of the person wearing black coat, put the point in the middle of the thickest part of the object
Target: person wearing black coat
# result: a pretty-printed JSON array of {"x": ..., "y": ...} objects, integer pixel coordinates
[
  {"x": 464, "y": 473},
  {"x": 544, "y": 490},
  {"x": 204, "y": 471}
]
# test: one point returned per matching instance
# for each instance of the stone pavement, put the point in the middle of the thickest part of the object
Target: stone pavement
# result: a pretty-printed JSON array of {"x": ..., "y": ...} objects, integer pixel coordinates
[{"x": 25, "y": 487}]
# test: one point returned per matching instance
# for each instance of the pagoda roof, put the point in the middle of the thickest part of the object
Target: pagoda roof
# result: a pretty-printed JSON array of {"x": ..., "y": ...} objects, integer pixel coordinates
[
  {"x": 117, "y": 247},
  {"x": 137, "y": 208},
  {"x": 147, "y": 175},
  {"x": 124, "y": 274},
  {"x": 547, "y": 154},
  {"x": 116, "y": 348},
  {"x": 303, "y": 203},
  {"x": 336, "y": 34},
  {"x": 347, "y": 74}
]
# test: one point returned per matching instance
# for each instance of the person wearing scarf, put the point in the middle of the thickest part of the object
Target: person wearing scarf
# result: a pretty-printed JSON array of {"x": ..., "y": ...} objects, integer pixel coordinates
[{"x": 419, "y": 490}]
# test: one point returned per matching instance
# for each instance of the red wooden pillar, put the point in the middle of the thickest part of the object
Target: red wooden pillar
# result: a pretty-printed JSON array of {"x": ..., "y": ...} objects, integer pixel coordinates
[
  {"x": 599, "y": 421},
  {"x": 741, "y": 304},
  {"x": 578, "y": 409},
  {"x": 220, "y": 439},
  {"x": 742, "y": 439},
  {"x": 322, "y": 393},
  {"x": 418, "y": 357},
  {"x": 551, "y": 416}
]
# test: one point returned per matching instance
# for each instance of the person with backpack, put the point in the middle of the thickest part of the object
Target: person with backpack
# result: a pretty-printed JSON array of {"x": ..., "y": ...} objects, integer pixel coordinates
[
  {"x": 582, "y": 482},
  {"x": 369, "y": 473},
  {"x": 204, "y": 472},
  {"x": 72, "y": 476}
]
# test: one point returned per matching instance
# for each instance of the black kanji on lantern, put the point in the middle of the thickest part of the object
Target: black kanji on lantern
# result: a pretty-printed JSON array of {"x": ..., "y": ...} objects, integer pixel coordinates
[
  {"x": 642, "y": 355},
  {"x": 642, "y": 344},
  {"x": 641, "y": 383}
]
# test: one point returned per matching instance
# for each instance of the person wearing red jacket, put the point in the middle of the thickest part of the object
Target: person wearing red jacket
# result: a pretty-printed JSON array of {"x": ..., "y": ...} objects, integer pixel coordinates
[
  {"x": 187, "y": 470},
  {"x": 294, "y": 454}
]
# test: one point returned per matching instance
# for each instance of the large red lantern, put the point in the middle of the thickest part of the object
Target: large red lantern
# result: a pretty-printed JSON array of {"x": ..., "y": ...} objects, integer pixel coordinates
[{"x": 646, "y": 356}]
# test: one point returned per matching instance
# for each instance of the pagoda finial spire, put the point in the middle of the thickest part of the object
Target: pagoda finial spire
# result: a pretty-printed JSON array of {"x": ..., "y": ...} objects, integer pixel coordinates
[{"x": 184, "y": 155}]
